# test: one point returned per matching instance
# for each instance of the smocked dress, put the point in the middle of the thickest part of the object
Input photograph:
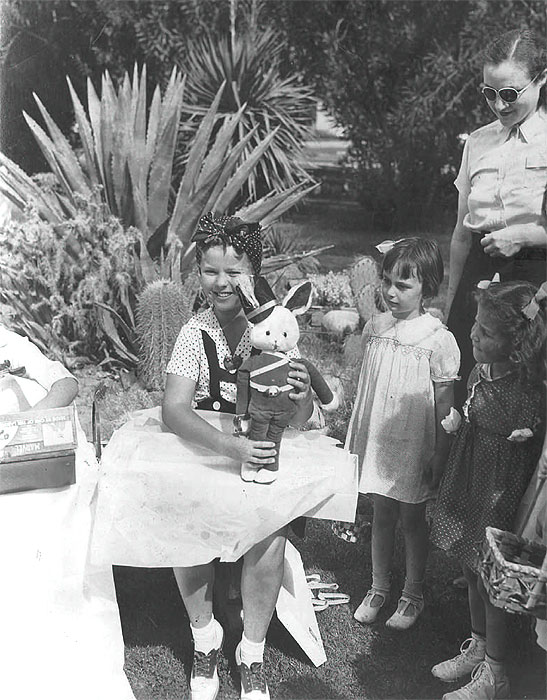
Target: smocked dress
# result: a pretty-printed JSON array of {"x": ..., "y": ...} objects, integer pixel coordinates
[
  {"x": 166, "y": 502},
  {"x": 61, "y": 634},
  {"x": 487, "y": 474},
  {"x": 392, "y": 428}
]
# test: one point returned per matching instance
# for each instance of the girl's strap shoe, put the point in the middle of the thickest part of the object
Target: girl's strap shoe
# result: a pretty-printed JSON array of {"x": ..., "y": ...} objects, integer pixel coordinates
[
  {"x": 374, "y": 600},
  {"x": 408, "y": 611}
]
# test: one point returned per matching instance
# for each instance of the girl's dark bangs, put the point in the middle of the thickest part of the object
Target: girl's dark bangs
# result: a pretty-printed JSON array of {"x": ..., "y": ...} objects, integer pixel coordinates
[{"x": 403, "y": 264}]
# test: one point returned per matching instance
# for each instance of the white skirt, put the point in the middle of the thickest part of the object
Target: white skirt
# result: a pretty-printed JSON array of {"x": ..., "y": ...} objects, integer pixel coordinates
[
  {"x": 61, "y": 634},
  {"x": 164, "y": 502}
]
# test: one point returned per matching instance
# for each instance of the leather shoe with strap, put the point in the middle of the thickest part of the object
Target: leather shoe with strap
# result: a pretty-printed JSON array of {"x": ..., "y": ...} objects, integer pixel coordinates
[
  {"x": 368, "y": 611},
  {"x": 408, "y": 610}
]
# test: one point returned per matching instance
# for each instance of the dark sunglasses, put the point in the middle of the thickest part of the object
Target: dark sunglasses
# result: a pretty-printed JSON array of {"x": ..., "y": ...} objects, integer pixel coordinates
[{"x": 507, "y": 94}]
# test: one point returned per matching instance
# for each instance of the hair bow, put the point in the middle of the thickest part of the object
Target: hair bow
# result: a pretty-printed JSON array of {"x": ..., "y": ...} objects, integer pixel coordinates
[
  {"x": 232, "y": 231},
  {"x": 385, "y": 246},
  {"x": 210, "y": 226},
  {"x": 484, "y": 284},
  {"x": 532, "y": 308}
]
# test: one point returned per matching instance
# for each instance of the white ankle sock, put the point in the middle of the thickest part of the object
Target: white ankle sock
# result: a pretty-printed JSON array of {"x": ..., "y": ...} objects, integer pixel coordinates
[
  {"x": 251, "y": 652},
  {"x": 208, "y": 637}
]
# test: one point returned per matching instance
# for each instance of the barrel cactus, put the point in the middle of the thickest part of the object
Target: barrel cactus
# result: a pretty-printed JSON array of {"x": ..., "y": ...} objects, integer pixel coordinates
[
  {"x": 163, "y": 307},
  {"x": 364, "y": 282}
]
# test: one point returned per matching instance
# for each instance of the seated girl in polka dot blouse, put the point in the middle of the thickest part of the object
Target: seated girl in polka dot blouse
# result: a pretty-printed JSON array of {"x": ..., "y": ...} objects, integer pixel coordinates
[
  {"x": 171, "y": 493},
  {"x": 490, "y": 465}
]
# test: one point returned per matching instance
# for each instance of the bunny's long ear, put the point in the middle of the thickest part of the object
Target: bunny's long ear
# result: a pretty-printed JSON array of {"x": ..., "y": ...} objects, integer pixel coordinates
[
  {"x": 298, "y": 300},
  {"x": 245, "y": 290}
]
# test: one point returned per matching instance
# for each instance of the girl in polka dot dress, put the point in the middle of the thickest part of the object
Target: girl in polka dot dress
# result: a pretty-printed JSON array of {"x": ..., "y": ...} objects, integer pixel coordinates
[
  {"x": 490, "y": 465},
  {"x": 171, "y": 494}
]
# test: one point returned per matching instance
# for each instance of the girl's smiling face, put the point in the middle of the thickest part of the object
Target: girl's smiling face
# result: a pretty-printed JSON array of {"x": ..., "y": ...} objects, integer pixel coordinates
[
  {"x": 403, "y": 295},
  {"x": 512, "y": 74},
  {"x": 219, "y": 271},
  {"x": 489, "y": 346}
]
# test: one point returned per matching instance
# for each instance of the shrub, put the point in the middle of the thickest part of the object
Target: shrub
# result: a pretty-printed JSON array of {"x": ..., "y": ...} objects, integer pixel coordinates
[
  {"x": 53, "y": 279},
  {"x": 332, "y": 289}
]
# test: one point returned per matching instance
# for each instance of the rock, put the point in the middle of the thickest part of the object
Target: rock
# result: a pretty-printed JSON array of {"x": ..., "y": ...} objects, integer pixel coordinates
[{"x": 341, "y": 321}]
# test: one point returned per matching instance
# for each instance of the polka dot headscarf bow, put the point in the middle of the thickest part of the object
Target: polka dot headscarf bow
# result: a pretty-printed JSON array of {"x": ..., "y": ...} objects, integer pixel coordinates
[{"x": 230, "y": 230}]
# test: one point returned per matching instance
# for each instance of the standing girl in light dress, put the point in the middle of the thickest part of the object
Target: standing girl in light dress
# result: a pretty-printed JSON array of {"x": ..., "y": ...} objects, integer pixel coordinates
[{"x": 406, "y": 388}]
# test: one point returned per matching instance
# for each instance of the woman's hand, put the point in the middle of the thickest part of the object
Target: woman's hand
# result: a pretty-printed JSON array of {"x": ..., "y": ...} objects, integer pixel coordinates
[
  {"x": 256, "y": 453},
  {"x": 502, "y": 243},
  {"x": 299, "y": 377}
]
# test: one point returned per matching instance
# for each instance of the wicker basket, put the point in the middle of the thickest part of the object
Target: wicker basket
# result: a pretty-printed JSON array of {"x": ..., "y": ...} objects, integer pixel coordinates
[{"x": 514, "y": 572}]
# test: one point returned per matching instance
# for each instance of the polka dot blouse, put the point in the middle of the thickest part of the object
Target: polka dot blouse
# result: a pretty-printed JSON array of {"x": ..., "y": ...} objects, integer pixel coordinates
[{"x": 189, "y": 359}]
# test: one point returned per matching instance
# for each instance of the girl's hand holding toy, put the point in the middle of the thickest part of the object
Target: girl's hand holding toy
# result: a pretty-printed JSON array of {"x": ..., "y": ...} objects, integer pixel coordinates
[
  {"x": 256, "y": 453},
  {"x": 299, "y": 377}
]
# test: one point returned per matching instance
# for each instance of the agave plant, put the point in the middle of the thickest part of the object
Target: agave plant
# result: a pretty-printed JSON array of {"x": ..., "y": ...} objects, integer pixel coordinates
[
  {"x": 247, "y": 66},
  {"x": 128, "y": 158}
]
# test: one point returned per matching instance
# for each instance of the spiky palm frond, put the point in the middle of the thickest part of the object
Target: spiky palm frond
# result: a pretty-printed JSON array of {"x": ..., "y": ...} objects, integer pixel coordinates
[{"x": 248, "y": 68}]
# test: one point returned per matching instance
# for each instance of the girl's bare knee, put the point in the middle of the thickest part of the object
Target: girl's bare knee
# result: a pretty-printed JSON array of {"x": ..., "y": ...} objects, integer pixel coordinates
[{"x": 267, "y": 553}]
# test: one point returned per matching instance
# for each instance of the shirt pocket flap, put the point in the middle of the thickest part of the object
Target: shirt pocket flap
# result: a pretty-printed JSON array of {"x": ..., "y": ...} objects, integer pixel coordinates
[{"x": 537, "y": 160}]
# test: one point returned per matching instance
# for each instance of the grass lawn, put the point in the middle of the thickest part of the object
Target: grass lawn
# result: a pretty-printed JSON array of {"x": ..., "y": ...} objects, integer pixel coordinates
[{"x": 362, "y": 662}]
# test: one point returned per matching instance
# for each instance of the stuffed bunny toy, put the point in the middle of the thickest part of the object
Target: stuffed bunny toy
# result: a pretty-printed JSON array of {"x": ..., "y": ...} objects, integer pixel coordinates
[{"x": 262, "y": 387}]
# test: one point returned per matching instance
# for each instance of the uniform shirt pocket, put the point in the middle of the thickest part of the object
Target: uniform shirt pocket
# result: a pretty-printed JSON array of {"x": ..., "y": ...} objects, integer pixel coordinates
[{"x": 535, "y": 171}]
